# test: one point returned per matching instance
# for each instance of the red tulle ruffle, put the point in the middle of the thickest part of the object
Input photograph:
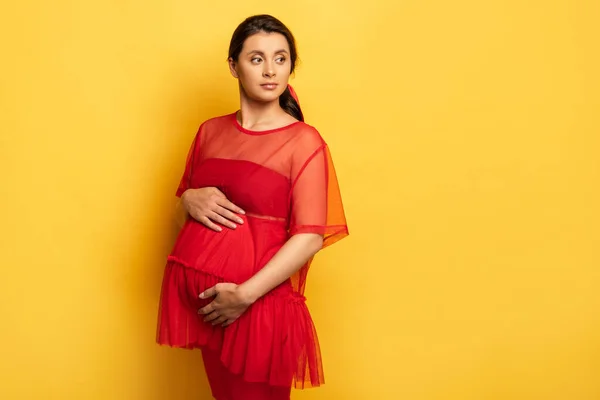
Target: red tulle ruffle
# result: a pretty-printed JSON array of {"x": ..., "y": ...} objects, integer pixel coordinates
[{"x": 273, "y": 342}]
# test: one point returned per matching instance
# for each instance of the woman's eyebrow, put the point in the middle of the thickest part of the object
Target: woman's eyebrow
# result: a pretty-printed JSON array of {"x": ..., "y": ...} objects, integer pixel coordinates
[{"x": 262, "y": 54}]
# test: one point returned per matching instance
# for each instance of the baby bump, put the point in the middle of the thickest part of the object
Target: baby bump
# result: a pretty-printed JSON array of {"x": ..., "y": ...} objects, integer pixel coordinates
[{"x": 229, "y": 254}]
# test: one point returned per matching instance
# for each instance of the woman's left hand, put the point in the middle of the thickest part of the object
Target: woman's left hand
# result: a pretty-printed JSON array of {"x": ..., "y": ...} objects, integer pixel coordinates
[{"x": 229, "y": 304}]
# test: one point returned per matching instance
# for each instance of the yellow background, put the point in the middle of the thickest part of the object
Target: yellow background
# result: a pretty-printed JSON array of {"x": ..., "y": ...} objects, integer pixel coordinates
[{"x": 466, "y": 138}]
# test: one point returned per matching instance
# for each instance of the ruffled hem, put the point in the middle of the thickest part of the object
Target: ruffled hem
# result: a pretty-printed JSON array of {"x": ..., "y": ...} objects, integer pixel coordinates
[{"x": 273, "y": 342}]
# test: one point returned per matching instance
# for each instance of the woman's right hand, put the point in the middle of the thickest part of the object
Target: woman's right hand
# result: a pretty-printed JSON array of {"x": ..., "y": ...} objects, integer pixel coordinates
[{"x": 210, "y": 207}]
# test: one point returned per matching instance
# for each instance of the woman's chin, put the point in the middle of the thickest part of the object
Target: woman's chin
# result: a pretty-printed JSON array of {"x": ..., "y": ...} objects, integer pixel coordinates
[{"x": 265, "y": 97}]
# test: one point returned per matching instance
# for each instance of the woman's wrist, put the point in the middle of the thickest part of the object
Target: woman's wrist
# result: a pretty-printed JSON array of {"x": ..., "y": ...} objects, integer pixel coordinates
[
  {"x": 248, "y": 292},
  {"x": 184, "y": 199}
]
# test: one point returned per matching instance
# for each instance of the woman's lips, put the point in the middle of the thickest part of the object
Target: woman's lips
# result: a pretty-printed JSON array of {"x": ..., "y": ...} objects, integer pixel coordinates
[{"x": 269, "y": 86}]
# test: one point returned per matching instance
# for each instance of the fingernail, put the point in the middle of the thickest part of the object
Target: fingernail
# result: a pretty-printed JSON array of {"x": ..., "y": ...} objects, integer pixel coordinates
[
  {"x": 242, "y": 212},
  {"x": 201, "y": 295},
  {"x": 240, "y": 221}
]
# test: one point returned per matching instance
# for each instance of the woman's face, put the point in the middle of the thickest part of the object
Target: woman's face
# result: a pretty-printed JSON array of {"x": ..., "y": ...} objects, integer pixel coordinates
[{"x": 263, "y": 66}]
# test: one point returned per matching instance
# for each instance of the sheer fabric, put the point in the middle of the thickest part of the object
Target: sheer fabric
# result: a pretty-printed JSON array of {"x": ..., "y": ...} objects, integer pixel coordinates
[{"x": 285, "y": 181}]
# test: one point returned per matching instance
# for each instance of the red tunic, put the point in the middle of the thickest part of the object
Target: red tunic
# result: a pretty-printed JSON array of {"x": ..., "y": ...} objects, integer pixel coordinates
[{"x": 285, "y": 181}]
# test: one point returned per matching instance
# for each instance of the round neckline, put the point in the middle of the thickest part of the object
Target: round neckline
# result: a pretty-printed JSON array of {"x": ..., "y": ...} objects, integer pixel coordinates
[{"x": 251, "y": 132}]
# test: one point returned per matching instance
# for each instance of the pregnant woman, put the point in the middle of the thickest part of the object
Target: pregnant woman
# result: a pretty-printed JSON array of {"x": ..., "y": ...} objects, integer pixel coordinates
[{"x": 261, "y": 199}]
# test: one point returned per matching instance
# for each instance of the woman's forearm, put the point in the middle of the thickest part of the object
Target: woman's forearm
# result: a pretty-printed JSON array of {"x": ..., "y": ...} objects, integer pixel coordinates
[
  {"x": 287, "y": 261},
  {"x": 181, "y": 214}
]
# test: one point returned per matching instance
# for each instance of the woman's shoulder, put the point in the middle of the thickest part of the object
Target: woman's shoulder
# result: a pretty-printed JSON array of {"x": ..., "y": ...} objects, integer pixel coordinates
[
  {"x": 218, "y": 121},
  {"x": 308, "y": 134}
]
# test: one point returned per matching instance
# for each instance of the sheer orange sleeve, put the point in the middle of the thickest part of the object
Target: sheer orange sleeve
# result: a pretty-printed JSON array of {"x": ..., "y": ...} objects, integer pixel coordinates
[
  {"x": 316, "y": 202},
  {"x": 193, "y": 154}
]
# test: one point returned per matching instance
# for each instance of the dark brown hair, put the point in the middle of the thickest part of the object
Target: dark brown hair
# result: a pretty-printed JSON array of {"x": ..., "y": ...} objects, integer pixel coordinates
[{"x": 268, "y": 24}]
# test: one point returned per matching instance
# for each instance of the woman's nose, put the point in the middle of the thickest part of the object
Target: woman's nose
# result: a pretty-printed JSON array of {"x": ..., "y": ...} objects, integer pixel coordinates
[{"x": 268, "y": 72}]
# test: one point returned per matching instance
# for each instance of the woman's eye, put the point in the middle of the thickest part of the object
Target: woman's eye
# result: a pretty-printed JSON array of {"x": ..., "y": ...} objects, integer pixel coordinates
[
  {"x": 256, "y": 60},
  {"x": 280, "y": 59}
]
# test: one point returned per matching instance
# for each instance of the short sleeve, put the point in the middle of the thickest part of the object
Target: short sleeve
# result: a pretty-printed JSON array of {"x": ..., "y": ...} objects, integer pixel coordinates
[
  {"x": 316, "y": 201},
  {"x": 186, "y": 179}
]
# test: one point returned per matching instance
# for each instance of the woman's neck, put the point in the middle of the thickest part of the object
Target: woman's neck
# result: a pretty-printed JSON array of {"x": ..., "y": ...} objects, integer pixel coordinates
[{"x": 255, "y": 115}]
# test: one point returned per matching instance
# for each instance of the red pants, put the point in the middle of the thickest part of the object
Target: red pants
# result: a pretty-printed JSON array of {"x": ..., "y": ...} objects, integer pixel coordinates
[{"x": 227, "y": 386}]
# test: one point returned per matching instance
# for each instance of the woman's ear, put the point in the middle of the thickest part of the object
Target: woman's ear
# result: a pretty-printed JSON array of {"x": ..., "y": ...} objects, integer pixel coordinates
[{"x": 232, "y": 67}]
